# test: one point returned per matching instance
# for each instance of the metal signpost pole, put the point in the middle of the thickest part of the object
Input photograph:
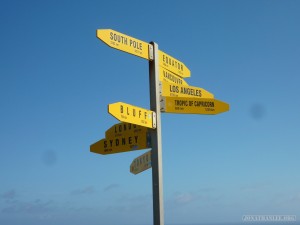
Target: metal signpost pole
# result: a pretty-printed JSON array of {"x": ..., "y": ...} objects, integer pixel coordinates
[{"x": 157, "y": 177}]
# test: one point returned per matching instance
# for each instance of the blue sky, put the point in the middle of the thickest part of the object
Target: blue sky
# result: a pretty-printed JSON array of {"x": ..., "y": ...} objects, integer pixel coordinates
[{"x": 57, "y": 78}]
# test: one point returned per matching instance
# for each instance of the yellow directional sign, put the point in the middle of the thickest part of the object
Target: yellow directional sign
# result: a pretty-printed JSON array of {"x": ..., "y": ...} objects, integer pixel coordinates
[
  {"x": 121, "y": 144},
  {"x": 173, "y": 65},
  {"x": 124, "y": 42},
  {"x": 132, "y": 114},
  {"x": 168, "y": 76},
  {"x": 125, "y": 129},
  {"x": 176, "y": 90},
  {"x": 207, "y": 106},
  {"x": 141, "y": 163}
]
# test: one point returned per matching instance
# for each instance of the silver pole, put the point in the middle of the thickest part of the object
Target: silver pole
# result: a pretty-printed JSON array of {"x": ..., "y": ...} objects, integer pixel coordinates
[{"x": 157, "y": 176}]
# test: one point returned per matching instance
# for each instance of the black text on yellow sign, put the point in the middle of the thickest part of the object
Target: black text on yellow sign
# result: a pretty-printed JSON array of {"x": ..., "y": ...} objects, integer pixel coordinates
[
  {"x": 125, "y": 129},
  {"x": 132, "y": 114},
  {"x": 176, "y": 90},
  {"x": 121, "y": 144},
  {"x": 168, "y": 76},
  {"x": 173, "y": 65},
  {"x": 124, "y": 42},
  {"x": 192, "y": 105}
]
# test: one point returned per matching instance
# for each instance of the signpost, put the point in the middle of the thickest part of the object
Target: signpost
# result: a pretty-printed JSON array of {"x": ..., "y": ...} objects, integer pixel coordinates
[
  {"x": 206, "y": 106},
  {"x": 132, "y": 114},
  {"x": 124, "y": 43},
  {"x": 141, "y": 163},
  {"x": 168, "y": 76},
  {"x": 169, "y": 93},
  {"x": 176, "y": 90},
  {"x": 121, "y": 144},
  {"x": 156, "y": 142},
  {"x": 125, "y": 129},
  {"x": 173, "y": 65}
]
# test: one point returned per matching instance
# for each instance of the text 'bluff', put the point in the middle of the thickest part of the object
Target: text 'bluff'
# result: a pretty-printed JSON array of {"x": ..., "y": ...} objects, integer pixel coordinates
[{"x": 132, "y": 111}]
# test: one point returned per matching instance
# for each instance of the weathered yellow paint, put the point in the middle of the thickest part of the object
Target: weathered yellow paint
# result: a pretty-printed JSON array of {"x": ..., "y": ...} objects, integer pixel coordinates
[{"x": 141, "y": 163}]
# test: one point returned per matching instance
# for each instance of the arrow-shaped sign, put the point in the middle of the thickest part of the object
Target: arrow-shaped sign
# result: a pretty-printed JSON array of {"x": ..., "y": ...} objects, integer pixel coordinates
[
  {"x": 124, "y": 42},
  {"x": 132, "y": 114},
  {"x": 208, "y": 106},
  {"x": 168, "y": 76},
  {"x": 125, "y": 129},
  {"x": 141, "y": 163},
  {"x": 176, "y": 90},
  {"x": 173, "y": 65},
  {"x": 121, "y": 144}
]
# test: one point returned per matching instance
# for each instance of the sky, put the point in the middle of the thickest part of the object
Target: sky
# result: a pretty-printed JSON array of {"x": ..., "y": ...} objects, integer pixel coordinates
[{"x": 57, "y": 78}]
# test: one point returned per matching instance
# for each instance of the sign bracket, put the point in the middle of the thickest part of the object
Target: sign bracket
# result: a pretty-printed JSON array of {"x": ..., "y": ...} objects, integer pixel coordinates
[{"x": 150, "y": 52}]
